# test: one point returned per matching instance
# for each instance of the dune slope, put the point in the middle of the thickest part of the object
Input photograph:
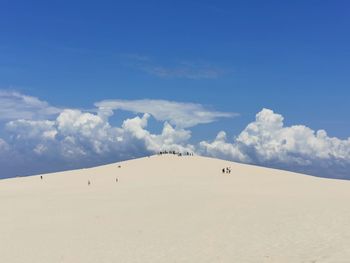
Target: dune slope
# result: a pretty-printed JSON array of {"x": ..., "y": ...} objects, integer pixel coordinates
[{"x": 174, "y": 209}]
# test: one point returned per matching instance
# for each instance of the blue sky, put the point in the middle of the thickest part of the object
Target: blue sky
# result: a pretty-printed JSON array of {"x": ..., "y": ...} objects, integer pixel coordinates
[{"x": 292, "y": 57}]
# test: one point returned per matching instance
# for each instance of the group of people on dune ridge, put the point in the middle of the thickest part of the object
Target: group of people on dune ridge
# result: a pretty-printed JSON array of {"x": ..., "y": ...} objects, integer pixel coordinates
[{"x": 176, "y": 153}]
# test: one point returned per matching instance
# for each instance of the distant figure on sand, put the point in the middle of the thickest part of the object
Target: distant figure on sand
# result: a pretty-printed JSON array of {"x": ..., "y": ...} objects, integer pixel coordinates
[
  {"x": 116, "y": 180},
  {"x": 89, "y": 182},
  {"x": 226, "y": 170},
  {"x": 41, "y": 177}
]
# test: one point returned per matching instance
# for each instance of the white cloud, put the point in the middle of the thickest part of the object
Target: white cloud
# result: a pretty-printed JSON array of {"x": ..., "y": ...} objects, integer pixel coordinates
[
  {"x": 169, "y": 139},
  {"x": 220, "y": 148},
  {"x": 266, "y": 141},
  {"x": 79, "y": 139},
  {"x": 40, "y": 138},
  {"x": 183, "y": 115},
  {"x": 15, "y": 105},
  {"x": 27, "y": 129},
  {"x": 178, "y": 69}
]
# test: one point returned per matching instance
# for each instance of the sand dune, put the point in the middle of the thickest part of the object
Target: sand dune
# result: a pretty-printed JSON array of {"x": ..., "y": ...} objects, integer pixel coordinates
[{"x": 174, "y": 209}]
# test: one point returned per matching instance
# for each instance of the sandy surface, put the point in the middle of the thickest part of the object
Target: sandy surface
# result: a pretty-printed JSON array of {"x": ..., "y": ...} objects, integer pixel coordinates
[{"x": 174, "y": 209}]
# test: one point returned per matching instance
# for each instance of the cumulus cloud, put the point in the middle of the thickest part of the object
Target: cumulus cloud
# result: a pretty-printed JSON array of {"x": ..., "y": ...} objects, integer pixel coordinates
[
  {"x": 79, "y": 139},
  {"x": 15, "y": 105},
  {"x": 266, "y": 141},
  {"x": 183, "y": 115},
  {"x": 169, "y": 139}
]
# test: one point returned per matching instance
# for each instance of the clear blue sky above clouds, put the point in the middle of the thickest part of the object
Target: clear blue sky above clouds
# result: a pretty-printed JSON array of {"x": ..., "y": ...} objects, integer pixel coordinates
[{"x": 230, "y": 56}]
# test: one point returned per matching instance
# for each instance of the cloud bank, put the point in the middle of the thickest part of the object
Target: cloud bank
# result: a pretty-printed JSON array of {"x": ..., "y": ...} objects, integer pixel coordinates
[{"x": 37, "y": 137}]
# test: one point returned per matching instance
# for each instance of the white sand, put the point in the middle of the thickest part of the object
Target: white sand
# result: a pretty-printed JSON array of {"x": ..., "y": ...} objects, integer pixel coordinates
[{"x": 174, "y": 209}]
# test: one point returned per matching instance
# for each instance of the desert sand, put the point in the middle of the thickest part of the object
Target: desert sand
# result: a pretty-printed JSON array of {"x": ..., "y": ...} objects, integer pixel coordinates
[{"x": 174, "y": 209}]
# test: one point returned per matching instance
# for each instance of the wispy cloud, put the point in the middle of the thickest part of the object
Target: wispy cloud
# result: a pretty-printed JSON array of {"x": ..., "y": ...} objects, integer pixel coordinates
[
  {"x": 185, "y": 70},
  {"x": 15, "y": 105},
  {"x": 177, "y": 69},
  {"x": 180, "y": 114}
]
